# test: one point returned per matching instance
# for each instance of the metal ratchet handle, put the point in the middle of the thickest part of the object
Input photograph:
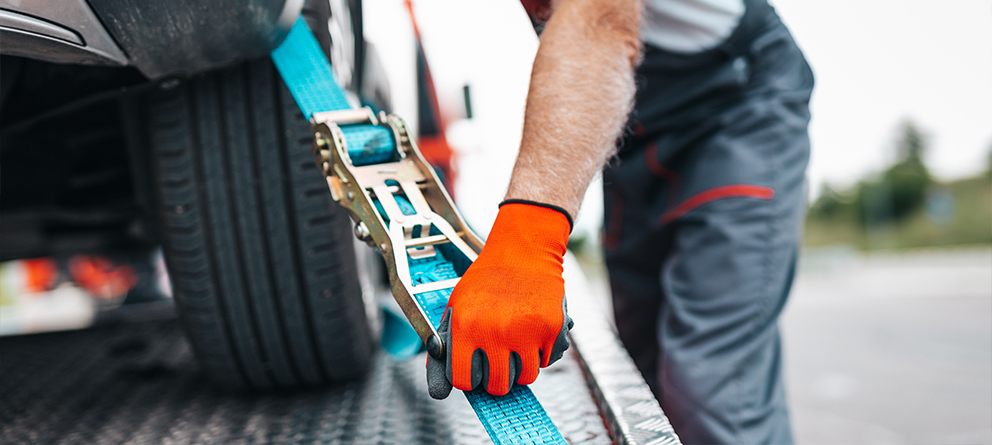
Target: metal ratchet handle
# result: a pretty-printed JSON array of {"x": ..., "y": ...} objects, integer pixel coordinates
[{"x": 357, "y": 187}]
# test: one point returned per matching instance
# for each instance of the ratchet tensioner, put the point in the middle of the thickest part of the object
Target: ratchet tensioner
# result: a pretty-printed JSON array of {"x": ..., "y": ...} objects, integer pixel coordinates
[{"x": 427, "y": 219}]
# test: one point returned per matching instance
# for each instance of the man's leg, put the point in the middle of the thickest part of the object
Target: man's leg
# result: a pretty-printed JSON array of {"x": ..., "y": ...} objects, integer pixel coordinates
[
  {"x": 725, "y": 281},
  {"x": 696, "y": 301},
  {"x": 707, "y": 212}
]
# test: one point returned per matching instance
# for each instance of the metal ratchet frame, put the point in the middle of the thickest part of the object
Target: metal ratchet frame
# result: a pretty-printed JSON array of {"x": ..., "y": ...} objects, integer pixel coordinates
[{"x": 357, "y": 187}]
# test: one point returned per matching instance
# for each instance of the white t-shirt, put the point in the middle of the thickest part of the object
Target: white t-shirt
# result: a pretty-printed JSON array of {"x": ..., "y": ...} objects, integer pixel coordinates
[{"x": 689, "y": 26}]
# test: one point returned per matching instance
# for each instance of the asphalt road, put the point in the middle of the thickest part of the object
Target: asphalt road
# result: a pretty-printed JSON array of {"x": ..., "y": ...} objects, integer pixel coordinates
[{"x": 891, "y": 349}]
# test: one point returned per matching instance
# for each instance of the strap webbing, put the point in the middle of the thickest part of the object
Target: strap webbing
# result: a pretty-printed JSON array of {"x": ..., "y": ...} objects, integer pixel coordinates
[
  {"x": 307, "y": 74},
  {"x": 516, "y": 418}
]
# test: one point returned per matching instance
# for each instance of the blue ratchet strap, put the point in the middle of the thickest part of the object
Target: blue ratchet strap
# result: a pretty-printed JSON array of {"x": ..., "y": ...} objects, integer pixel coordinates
[
  {"x": 516, "y": 418},
  {"x": 307, "y": 73}
]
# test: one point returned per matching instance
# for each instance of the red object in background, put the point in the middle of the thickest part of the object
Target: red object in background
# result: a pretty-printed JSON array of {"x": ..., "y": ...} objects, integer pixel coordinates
[
  {"x": 39, "y": 274},
  {"x": 431, "y": 126},
  {"x": 100, "y": 277},
  {"x": 539, "y": 11}
]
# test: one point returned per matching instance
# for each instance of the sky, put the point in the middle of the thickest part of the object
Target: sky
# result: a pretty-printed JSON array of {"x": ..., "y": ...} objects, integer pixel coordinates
[
  {"x": 876, "y": 63},
  {"x": 879, "y": 62}
]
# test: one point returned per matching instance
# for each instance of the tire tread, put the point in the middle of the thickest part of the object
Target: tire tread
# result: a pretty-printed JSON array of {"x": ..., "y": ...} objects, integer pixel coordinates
[{"x": 245, "y": 230}]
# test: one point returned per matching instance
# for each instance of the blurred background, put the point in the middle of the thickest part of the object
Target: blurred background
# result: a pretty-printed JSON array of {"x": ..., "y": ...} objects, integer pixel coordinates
[{"x": 888, "y": 333}]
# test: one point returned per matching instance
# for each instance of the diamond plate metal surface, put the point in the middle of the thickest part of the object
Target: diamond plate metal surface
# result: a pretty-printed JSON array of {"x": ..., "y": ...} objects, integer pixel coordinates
[
  {"x": 628, "y": 406},
  {"x": 137, "y": 384}
]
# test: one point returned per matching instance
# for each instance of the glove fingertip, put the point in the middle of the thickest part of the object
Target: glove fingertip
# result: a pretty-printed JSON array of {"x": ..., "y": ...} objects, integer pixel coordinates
[
  {"x": 561, "y": 343},
  {"x": 515, "y": 368},
  {"x": 438, "y": 385},
  {"x": 480, "y": 368},
  {"x": 439, "y": 392}
]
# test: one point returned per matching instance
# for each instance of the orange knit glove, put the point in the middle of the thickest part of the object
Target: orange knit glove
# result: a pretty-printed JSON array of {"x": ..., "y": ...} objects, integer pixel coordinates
[{"x": 507, "y": 316}]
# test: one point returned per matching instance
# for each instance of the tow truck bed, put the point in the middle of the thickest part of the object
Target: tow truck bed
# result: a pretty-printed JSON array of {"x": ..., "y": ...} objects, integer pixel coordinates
[{"x": 139, "y": 383}]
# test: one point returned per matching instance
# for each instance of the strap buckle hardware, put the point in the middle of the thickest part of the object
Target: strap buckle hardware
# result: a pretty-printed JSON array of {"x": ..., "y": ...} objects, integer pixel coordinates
[{"x": 406, "y": 235}]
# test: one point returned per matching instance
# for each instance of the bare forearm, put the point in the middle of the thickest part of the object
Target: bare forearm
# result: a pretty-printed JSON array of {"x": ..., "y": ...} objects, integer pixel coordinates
[{"x": 581, "y": 90}]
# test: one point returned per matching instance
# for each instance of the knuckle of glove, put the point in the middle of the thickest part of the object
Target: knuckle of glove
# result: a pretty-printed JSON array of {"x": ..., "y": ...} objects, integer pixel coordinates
[
  {"x": 512, "y": 312},
  {"x": 507, "y": 311},
  {"x": 496, "y": 351}
]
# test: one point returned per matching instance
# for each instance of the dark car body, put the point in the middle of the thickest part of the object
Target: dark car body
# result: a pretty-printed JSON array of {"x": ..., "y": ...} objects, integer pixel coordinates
[
  {"x": 156, "y": 38},
  {"x": 74, "y": 166}
]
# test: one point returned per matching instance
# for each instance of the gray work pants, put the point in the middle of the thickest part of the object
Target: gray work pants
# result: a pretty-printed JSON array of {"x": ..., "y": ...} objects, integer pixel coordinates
[{"x": 702, "y": 230}]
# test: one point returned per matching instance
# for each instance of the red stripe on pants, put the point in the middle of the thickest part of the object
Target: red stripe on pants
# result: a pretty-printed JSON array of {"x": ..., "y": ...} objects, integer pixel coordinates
[{"x": 713, "y": 194}]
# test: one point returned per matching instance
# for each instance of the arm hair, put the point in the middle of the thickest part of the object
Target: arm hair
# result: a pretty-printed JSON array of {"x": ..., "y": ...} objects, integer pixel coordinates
[{"x": 581, "y": 91}]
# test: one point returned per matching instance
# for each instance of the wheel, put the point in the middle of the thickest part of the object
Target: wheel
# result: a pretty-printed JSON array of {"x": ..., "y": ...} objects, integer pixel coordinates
[{"x": 261, "y": 259}]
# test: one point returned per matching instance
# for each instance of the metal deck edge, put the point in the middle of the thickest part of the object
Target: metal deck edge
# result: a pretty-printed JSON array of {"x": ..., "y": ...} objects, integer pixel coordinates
[{"x": 631, "y": 413}]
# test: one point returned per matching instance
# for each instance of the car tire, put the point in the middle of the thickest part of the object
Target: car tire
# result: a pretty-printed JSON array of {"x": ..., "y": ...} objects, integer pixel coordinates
[{"x": 261, "y": 260}]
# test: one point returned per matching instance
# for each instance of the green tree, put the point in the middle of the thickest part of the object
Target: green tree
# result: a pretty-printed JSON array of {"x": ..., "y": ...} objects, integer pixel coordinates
[
  {"x": 912, "y": 142},
  {"x": 909, "y": 178},
  {"x": 831, "y": 204},
  {"x": 902, "y": 188}
]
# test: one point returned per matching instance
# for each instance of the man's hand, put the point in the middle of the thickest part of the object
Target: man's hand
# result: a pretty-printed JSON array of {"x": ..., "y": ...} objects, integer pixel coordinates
[{"x": 507, "y": 317}]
